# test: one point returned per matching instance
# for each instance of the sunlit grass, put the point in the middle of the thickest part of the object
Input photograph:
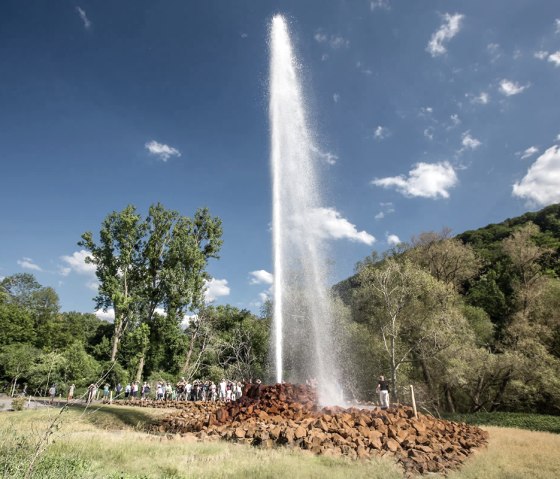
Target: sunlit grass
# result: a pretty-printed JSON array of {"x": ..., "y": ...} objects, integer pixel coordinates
[{"x": 110, "y": 443}]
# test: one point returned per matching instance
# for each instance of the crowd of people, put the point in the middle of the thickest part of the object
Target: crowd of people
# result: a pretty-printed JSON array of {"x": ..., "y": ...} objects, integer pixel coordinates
[{"x": 183, "y": 390}]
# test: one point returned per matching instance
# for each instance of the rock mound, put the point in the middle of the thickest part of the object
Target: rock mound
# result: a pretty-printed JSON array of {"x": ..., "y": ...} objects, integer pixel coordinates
[{"x": 286, "y": 414}]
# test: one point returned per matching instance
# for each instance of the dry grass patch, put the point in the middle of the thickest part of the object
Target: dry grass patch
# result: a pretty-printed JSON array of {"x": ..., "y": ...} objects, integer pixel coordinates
[{"x": 514, "y": 454}]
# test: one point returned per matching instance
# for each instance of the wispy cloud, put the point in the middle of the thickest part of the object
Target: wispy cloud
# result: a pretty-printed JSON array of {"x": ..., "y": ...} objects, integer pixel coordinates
[
  {"x": 381, "y": 133},
  {"x": 541, "y": 184},
  {"x": 447, "y": 30},
  {"x": 161, "y": 150},
  {"x": 334, "y": 41},
  {"x": 379, "y": 5},
  {"x": 541, "y": 54},
  {"x": 329, "y": 224},
  {"x": 510, "y": 88},
  {"x": 469, "y": 142},
  {"x": 83, "y": 16},
  {"x": 27, "y": 263},
  {"x": 494, "y": 50},
  {"x": 482, "y": 99},
  {"x": 429, "y": 133},
  {"x": 455, "y": 120},
  {"x": 386, "y": 209},
  {"x": 216, "y": 288},
  {"x": 528, "y": 152},
  {"x": 557, "y": 25},
  {"x": 427, "y": 180},
  {"x": 261, "y": 276},
  {"x": 336, "y": 97},
  {"x": 328, "y": 157}
]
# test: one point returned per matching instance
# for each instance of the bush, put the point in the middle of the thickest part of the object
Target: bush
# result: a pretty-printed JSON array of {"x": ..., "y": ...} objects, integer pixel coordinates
[{"x": 18, "y": 403}]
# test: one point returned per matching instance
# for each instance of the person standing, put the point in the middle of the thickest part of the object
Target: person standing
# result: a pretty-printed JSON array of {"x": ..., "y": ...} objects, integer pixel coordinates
[
  {"x": 91, "y": 393},
  {"x": 52, "y": 392},
  {"x": 383, "y": 390},
  {"x": 71, "y": 393}
]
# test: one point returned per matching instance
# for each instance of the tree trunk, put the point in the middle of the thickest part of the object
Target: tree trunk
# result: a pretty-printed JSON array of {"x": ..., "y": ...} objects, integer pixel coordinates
[
  {"x": 140, "y": 369},
  {"x": 449, "y": 399},
  {"x": 115, "y": 346},
  {"x": 500, "y": 393},
  {"x": 393, "y": 371},
  {"x": 187, "y": 362}
]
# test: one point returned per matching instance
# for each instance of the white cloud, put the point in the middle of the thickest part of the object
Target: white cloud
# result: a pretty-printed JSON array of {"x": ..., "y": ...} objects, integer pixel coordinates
[
  {"x": 379, "y": 5},
  {"x": 261, "y": 276},
  {"x": 529, "y": 152},
  {"x": 426, "y": 111},
  {"x": 469, "y": 142},
  {"x": 427, "y": 180},
  {"x": 216, "y": 288},
  {"x": 264, "y": 296},
  {"x": 448, "y": 29},
  {"x": 381, "y": 133},
  {"x": 455, "y": 119},
  {"x": 393, "y": 240},
  {"x": 93, "y": 285},
  {"x": 336, "y": 97},
  {"x": 557, "y": 137},
  {"x": 244, "y": 35},
  {"x": 326, "y": 156},
  {"x": 27, "y": 263},
  {"x": 83, "y": 16},
  {"x": 557, "y": 24},
  {"x": 77, "y": 262},
  {"x": 162, "y": 151},
  {"x": 328, "y": 223},
  {"x": 509, "y": 88},
  {"x": 380, "y": 215},
  {"x": 541, "y": 54},
  {"x": 555, "y": 58},
  {"x": 334, "y": 41},
  {"x": 541, "y": 184},
  {"x": 481, "y": 99},
  {"x": 108, "y": 315},
  {"x": 324, "y": 57}
]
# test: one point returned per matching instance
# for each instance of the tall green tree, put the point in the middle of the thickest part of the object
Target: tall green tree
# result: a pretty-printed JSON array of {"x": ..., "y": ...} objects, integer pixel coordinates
[
  {"x": 157, "y": 263},
  {"x": 117, "y": 260}
]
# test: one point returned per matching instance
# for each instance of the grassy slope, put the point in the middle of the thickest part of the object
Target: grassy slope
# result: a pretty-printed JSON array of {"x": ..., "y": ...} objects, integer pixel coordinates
[
  {"x": 108, "y": 443},
  {"x": 532, "y": 422}
]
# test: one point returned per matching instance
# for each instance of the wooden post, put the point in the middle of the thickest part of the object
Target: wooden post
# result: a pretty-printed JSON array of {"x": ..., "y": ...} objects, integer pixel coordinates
[
  {"x": 413, "y": 401},
  {"x": 111, "y": 397}
]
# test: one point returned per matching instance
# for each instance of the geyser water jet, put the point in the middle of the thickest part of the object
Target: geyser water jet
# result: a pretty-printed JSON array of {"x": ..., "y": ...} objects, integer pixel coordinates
[{"x": 303, "y": 325}]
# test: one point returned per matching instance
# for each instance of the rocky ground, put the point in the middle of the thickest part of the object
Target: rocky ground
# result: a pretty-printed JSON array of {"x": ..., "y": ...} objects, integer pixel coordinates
[{"x": 289, "y": 415}]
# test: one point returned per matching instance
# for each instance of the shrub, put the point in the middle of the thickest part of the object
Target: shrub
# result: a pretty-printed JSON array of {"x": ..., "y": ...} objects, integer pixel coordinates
[{"x": 18, "y": 403}]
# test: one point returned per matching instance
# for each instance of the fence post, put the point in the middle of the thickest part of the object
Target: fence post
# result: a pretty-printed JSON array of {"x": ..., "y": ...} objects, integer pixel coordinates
[{"x": 413, "y": 401}]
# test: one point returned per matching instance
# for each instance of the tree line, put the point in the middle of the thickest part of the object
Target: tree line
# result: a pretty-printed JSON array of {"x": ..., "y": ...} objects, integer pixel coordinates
[
  {"x": 472, "y": 321},
  {"x": 151, "y": 273}
]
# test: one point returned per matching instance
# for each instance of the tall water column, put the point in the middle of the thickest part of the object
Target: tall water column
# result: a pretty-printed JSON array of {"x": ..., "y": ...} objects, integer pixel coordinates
[{"x": 303, "y": 324}]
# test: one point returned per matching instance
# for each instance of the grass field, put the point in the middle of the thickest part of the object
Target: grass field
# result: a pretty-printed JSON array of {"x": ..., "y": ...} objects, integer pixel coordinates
[
  {"x": 109, "y": 443},
  {"x": 532, "y": 422}
]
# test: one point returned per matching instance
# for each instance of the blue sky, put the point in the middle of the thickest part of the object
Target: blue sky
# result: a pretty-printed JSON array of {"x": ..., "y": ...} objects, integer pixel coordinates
[{"x": 429, "y": 114}]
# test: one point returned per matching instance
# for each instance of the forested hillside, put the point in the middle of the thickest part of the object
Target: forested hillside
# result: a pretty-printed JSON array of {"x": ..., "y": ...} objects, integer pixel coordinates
[{"x": 472, "y": 320}]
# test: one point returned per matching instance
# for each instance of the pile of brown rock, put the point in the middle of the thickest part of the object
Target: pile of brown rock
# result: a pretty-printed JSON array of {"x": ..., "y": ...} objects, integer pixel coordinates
[{"x": 289, "y": 415}]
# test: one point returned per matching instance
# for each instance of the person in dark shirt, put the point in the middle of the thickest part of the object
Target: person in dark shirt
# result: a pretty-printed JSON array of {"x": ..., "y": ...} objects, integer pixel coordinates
[{"x": 383, "y": 390}]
